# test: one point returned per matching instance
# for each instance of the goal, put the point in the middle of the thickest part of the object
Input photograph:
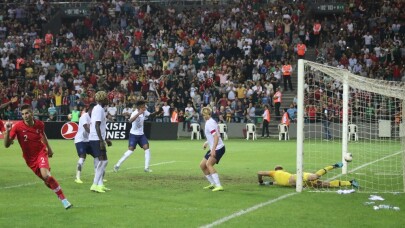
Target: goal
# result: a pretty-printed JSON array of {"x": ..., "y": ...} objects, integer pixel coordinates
[{"x": 339, "y": 113}]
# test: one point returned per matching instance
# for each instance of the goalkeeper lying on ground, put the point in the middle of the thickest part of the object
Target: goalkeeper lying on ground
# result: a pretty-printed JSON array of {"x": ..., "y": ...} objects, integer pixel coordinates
[{"x": 283, "y": 178}]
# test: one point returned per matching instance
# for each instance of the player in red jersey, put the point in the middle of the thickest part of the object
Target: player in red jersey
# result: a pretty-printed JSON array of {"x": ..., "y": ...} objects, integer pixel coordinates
[{"x": 36, "y": 150}]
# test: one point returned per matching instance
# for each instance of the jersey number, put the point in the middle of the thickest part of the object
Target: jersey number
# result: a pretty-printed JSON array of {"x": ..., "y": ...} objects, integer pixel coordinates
[{"x": 25, "y": 138}]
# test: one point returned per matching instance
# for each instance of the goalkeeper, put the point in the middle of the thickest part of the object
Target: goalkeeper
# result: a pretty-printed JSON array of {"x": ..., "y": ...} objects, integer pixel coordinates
[{"x": 284, "y": 178}]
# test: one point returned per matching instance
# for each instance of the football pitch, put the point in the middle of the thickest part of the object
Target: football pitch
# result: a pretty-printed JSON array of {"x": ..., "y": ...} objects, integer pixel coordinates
[{"x": 172, "y": 195}]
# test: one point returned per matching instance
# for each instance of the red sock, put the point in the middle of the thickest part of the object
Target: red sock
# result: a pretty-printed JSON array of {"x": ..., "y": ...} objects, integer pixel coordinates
[{"x": 54, "y": 186}]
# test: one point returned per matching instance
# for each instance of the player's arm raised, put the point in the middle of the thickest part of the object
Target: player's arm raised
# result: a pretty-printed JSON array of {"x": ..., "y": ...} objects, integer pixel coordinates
[
  {"x": 132, "y": 119},
  {"x": 7, "y": 140},
  {"x": 14, "y": 99},
  {"x": 44, "y": 139}
]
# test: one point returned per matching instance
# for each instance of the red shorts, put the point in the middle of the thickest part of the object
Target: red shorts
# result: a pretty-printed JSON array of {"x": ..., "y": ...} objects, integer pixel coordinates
[{"x": 38, "y": 162}]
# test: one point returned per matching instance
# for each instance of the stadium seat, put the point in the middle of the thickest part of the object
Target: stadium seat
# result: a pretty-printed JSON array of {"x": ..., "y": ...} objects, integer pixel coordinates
[
  {"x": 283, "y": 131},
  {"x": 222, "y": 131},
  {"x": 195, "y": 130},
  {"x": 251, "y": 129},
  {"x": 352, "y": 129}
]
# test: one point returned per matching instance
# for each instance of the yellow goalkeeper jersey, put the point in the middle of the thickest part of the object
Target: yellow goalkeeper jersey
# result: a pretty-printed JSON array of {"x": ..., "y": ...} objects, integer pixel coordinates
[{"x": 281, "y": 177}]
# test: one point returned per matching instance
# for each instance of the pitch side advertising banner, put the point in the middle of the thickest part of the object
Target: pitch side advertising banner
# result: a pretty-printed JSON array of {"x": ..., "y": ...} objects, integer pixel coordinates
[
  {"x": 115, "y": 130},
  {"x": 68, "y": 130}
]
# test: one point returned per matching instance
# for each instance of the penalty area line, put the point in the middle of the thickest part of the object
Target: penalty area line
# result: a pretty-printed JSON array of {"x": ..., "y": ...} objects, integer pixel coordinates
[
  {"x": 248, "y": 210},
  {"x": 67, "y": 178}
]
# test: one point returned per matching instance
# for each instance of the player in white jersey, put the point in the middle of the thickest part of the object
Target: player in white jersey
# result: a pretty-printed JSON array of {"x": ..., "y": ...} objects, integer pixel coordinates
[
  {"x": 214, "y": 154},
  {"x": 137, "y": 136},
  {"x": 82, "y": 142},
  {"x": 98, "y": 140}
]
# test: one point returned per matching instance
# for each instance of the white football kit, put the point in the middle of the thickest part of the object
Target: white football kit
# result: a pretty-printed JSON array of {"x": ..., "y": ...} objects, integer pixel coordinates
[
  {"x": 98, "y": 114},
  {"x": 82, "y": 135},
  {"x": 211, "y": 128},
  {"x": 137, "y": 125}
]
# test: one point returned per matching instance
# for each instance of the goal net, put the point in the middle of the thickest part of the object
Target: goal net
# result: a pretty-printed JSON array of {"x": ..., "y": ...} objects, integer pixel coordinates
[{"x": 340, "y": 113}]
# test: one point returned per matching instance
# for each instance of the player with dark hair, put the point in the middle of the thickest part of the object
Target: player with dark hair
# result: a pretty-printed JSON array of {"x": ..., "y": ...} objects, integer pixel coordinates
[
  {"x": 214, "y": 154},
  {"x": 284, "y": 178},
  {"x": 137, "y": 136},
  {"x": 82, "y": 142},
  {"x": 98, "y": 140},
  {"x": 36, "y": 149}
]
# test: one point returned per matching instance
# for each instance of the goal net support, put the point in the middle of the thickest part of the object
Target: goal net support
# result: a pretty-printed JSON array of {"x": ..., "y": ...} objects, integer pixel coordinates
[{"x": 340, "y": 113}]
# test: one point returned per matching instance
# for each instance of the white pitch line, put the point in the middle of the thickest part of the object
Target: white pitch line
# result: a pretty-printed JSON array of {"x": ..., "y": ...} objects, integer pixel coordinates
[
  {"x": 245, "y": 211},
  {"x": 366, "y": 164},
  {"x": 257, "y": 206},
  {"x": 66, "y": 178}
]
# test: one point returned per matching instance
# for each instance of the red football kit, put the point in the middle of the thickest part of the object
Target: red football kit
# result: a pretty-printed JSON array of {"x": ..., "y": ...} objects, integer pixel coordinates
[
  {"x": 36, "y": 155},
  {"x": 2, "y": 129},
  {"x": 34, "y": 150}
]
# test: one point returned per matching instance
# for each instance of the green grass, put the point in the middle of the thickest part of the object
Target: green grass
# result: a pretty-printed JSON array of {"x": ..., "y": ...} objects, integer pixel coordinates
[{"x": 172, "y": 195}]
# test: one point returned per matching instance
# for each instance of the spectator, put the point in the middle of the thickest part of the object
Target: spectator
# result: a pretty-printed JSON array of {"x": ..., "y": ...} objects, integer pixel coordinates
[
  {"x": 111, "y": 52},
  {"x": 251, "y": 113},
  {"x": 277, "y": 97},
  {"x": 166, "y": 112},
  {"x": 287, "y": 74},
  {"x": 266, "y": 121},
  {"x": 120, "y": 109},
  {"x": 52, "y": 111},
  {"x": 75, "y": 115},
  {"x": 51, "y": 117},
  {"x": 127, "y": 111},
  {"x": 112, "y": 111},
  {"x": 159, "y": 113},
  {"x": 292, "y": 113}
]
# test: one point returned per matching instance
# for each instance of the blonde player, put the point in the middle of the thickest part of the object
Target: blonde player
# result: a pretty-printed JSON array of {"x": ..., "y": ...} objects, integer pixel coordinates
[{"x": 214, "y": 154}]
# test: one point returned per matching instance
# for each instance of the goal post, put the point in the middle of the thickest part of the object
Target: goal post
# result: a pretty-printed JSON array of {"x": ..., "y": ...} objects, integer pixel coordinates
[
  {"x": 338, "y": 113},
  {"x": 300, "y": 124}
]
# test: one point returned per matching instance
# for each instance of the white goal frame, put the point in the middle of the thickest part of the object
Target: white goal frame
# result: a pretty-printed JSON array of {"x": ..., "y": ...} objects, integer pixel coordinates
[{"x": 391, "y": 89}]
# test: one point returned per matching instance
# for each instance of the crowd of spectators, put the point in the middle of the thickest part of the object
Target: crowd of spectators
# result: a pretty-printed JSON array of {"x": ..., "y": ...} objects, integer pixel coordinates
[
  {"x": 370, "y": 43},
  {"x": 228, "y": 57}
]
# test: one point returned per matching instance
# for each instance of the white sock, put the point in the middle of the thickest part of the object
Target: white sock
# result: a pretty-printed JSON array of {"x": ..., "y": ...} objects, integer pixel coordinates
[
  {"x": 104, "y": 165},
  {"x": 147, "y": 158},
  {"x": 98, "y": 172},
  {"x": 209, "y": 178},
  {"x": 79, "y": 167},
  {"x": 124, "y": 157},
  {"x": 215, "y": 177},
  {"x": 96, "y": 161}
]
